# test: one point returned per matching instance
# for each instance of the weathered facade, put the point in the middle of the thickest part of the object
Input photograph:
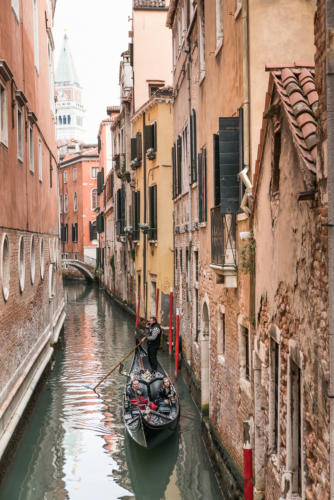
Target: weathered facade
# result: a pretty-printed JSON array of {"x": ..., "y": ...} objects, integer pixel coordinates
[
  {"x": 291, "y": 296},
  {"x": 31, "y": 301}
]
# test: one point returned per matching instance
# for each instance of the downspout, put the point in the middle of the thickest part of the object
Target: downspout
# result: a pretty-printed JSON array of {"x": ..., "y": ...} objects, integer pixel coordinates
[
  {"x": 330, "y": 160},
  {"x": 190, "y": 186},
  {"x": 145, "y": 217}
]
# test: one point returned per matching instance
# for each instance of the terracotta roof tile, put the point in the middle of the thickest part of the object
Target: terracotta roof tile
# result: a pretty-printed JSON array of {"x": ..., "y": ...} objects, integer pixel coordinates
[{"x": 296, "y": 88}]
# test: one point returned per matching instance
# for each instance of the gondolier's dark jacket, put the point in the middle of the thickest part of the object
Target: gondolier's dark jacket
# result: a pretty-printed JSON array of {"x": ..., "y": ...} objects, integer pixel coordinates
[{"x": 154, "y": 335}]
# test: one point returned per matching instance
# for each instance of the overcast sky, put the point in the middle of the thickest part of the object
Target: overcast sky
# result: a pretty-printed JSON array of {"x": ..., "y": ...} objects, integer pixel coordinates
[{"x": 98, "y": 34}]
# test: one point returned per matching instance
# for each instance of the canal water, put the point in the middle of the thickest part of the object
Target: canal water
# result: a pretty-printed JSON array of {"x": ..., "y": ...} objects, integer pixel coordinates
[{"x": 75, "y": 445}]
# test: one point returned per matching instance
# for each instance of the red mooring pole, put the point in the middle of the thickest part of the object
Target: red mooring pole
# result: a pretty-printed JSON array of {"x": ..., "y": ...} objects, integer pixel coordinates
[
  {"x": 138, "y": 309},
  {"x": 177, "y": 343},
  {"x": 248, "y": 472},
  {"x": 157, "y": 304},
  {"x": 170, "y": 321}
]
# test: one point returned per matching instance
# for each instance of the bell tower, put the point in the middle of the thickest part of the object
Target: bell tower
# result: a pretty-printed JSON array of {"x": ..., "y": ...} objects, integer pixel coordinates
[{"x": 69, "y": 108}]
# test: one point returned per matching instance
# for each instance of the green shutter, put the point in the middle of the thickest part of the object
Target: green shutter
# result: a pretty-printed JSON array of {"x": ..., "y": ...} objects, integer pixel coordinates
[
  {"x": 100, "y": 181},
  {"x": 131, "y": 53},
  {"x": 155, "y": 136},
  {"x": 200, "y": 187},
  {"x": 139, "y": 146},
  {"x": 174, "y": 171},
  {"x": 133, "y": 148},
  {"x": 229, "y": 164},
  {"x": 193, "y": 146},
  {"x": 216, "y": 172},
  {"x": 148, "y": 137}
]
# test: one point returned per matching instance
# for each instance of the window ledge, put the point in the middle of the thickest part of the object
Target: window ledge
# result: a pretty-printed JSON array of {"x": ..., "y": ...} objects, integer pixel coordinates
[
  {"x": 153, "y": 242},
  {"x": 229, "y": 274},
  {"x": 194, "y": 185},
  {"x": 202, "y": 224},
  {"x": 237, "y": 12},
  {"x": 202, "y": 78},
  {"x": 219, "y": 47}
]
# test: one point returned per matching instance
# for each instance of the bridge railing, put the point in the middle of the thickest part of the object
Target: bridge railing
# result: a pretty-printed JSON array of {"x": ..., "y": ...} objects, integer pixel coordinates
[{"x": 89, "y": 261}]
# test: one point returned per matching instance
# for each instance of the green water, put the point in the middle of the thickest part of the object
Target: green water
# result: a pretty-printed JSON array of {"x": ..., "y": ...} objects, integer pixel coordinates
[{"x": 74, "y": 445}]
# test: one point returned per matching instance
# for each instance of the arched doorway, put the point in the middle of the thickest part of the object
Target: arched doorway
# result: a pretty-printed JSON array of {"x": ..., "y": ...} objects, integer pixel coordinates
[{"x": 205, "y": 360}]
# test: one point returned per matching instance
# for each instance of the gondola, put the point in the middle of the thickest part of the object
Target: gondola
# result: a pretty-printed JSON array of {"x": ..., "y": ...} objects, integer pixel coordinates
[{"x": 148, "y": 427}]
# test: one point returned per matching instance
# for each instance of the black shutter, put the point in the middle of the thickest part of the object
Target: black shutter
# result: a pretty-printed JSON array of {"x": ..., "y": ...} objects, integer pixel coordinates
[
  {"x": 155, "y": 212},
  {"x": 154, "y": 134},
  {"x": 76, "y": 231},
  {"x": 133, "y": 148},
  {"x": 98, "y": 144},
  {"x": 100, "y": 181},
  {"x": 123, "y": 202},
  {"x": 216, "y": 172},
  {"x": 91, "y": 231},
  {"x": 229, "y": 164},
  {"x": 200, "y": 187},
  {"x": 118, "y": 205},
  {"x": 193, "y": 146},
  {"x": 148, "y": 137},
  {"x": 205, "y": 202},
  {"x": 174, "y": 171},
  {"x": 66, "y": 233},
  {"x": 131, "y": 53},
  {"x": 73, "y": 232},
  {"x": 179, "y": 165},
  {"x": 139, "y": 146}
]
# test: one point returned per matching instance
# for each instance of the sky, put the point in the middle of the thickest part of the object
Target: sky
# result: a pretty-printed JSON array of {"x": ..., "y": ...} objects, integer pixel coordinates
[{"x": 98, "y": 34}]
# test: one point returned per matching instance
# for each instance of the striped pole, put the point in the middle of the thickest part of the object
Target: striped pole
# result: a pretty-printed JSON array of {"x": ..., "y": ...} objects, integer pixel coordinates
[
  {"x": 170, "y": 321},
  {"x": 177, "y": 342}
]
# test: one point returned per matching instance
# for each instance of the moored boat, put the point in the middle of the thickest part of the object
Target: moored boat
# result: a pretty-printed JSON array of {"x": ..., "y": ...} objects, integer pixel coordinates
[{"x": 147, "y": 426}]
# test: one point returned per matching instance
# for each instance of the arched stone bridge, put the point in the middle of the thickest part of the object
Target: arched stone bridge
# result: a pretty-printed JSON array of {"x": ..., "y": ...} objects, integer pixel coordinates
[{"x": 83, "y": 263}]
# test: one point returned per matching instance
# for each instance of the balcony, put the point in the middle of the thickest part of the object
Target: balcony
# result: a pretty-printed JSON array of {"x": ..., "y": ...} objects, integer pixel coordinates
[{"x": 223, "y": 247}]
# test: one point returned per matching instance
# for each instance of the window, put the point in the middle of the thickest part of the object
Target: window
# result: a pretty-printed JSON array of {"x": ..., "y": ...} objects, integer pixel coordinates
[
  {"x": 75, "y": 202},
  {"x": 202, "y": 186},
  {"x": 5, "y": 266},
  {"x": 196, "y": 314},
  {"x": 193, "y": 146},
  {"x": 274, "y": 396},
  {"x": 69, "y": 119},
  {"x": 150, "y": 137},
  {"x": 40, "y": 161},
  {"x": 75, "y": 232},
  {"x": 36, "y": 44},
  {"x": 187, "y": 273},
  {"x": 64, "y": 120},
  {"x": 60, "y": 120},
  {"x": 51, "y": 79},
  {"x": 152, "y": 190},
  {"x": 177, "y": 167},
  {"x": 219, "y": 28},
  {"x": 32, "y": 260},
  {"x": 64, "y": 233},
  {"x": 153, "y": 297},
  {"x": 41, "y": 256},
  {"x": 3, "y": 115},
  {"x": 135, "y": 234},
  {"x": 276, "y": 154},
  {"x": 31, "y": 149},
  {"x": 61, "y": 203},
  {"x": 16, "y": 8},
  {"x": 296, "y": 427},
  {"x": 201, "y": 41},
  {"x": 221, "y": 337},
  {"x": 244, "y": 353},
  {"x": 21, "y": 264},
  {"x": 175, "y": 258},
  {"x": 153, "y": 87},
  {"x": 174, "y": 46},
  {"x": 65, "y": 176},
  {"x": 74, "y": 174},
  {"x": 19, "y": 133},
  {"x": 196, "y": 264},
  {"x": 93, "y": 172},
  {"x": 92, "y": 230},
  {"x": 94, "y": 200},
  {"x": 181, "y": 263},
  {"x": 65, "y": 203},
  {"x": 185, "y": 156}
]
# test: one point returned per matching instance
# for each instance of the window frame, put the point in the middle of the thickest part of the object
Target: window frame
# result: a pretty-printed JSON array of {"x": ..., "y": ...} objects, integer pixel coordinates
[
  {"x": 36, "y": 35},
  {"x": 75, "y": 201},
  {"x": 92, "y": 193},
  {"x": 3, "y": 113},
  {"x": 20, "y": 132},
  {"x": 31, "y": 149},
  {"x": 40, "y": 160}
]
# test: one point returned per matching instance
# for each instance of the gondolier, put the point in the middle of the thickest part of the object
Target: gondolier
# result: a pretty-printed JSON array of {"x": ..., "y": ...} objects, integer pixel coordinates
[{"x": 153, "y": 341}]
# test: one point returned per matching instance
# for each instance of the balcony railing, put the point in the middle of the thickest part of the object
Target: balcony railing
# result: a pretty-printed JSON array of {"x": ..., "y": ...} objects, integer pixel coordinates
[{"x": 223, "y": 238}]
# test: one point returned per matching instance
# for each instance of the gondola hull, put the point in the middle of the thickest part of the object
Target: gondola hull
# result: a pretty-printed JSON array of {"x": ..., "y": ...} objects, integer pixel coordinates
[{"x": 146, "y": 427}]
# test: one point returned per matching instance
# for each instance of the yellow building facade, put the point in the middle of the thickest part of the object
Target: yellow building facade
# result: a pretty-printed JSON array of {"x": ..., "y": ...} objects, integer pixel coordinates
[{"x": 152, "y": 204}]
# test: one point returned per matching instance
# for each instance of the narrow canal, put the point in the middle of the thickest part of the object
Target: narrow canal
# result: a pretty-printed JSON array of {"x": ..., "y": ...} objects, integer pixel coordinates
[{"x": 75, "y": 446}]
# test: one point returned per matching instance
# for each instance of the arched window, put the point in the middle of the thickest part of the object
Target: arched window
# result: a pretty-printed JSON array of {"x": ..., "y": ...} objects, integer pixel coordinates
[
  {"x": 41, "y": 257},
  {"x": 5, "y": 266},
  {"x": 68, "y": 119},
  {"x": 32, "y": 260},
  {"x": 64, "y": 120},
  {"x": 94, "y": 199},
  {"x": 75, "y": 202}
]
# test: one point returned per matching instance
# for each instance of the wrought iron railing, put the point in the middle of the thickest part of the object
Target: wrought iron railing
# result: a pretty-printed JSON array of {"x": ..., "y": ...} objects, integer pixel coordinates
[{"x": 223, "y": 238}]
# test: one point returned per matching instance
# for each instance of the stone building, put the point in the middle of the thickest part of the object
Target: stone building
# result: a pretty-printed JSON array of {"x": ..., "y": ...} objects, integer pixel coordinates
[
  {"x": 219, "y": 61},
  {"x": 291, "y": 293},
  {"x": 79, "y": 202},
  {"x": 31, "y": 301},
  {"x": 69, "y": 107}
]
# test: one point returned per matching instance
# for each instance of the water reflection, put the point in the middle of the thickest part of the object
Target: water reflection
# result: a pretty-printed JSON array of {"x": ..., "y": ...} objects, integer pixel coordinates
[{"x": 74, "y": 446}]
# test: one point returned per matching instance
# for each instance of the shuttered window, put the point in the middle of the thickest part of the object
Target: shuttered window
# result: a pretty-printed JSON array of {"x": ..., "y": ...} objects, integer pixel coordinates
[
  {"x": 202, "y": 186},
  {"x": 151, "y": 136},
  {"x": 92, "y": 230},
  {"x": 179, "y": 165},
  {"x": 174, "y": 171},
  {"x": 100, "y": 181},
  {"x": 136, "y": 214},
  {"x": 152, "y": 190},
  {"x": 100, "y": 223},
  {"x": 139, "y": 146},
  {"x": 75, "y": 232},
  {"x": 216, "y": 171},
  {"x": 193, "y": 146},
  {"x": 64, "y": 233},
  {"x": 230, "y": 162},
  {"x": 133, "y": 148}
]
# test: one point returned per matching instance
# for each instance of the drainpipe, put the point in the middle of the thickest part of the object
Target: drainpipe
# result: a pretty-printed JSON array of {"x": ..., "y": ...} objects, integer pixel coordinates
[
  {"x": 245, "y": 69},
  {"x": 330, "y": 160},
  {"x": 145, "y": 217},
  {"x": 190, "y": 190}
]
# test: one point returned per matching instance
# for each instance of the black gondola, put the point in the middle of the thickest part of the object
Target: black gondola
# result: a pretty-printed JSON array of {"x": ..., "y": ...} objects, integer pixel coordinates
[{"x": 148, "y": 427}]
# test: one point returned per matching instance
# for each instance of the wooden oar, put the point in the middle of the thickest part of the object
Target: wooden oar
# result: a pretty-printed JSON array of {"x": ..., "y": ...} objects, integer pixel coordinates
[{"x": 116, "y": 366}]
